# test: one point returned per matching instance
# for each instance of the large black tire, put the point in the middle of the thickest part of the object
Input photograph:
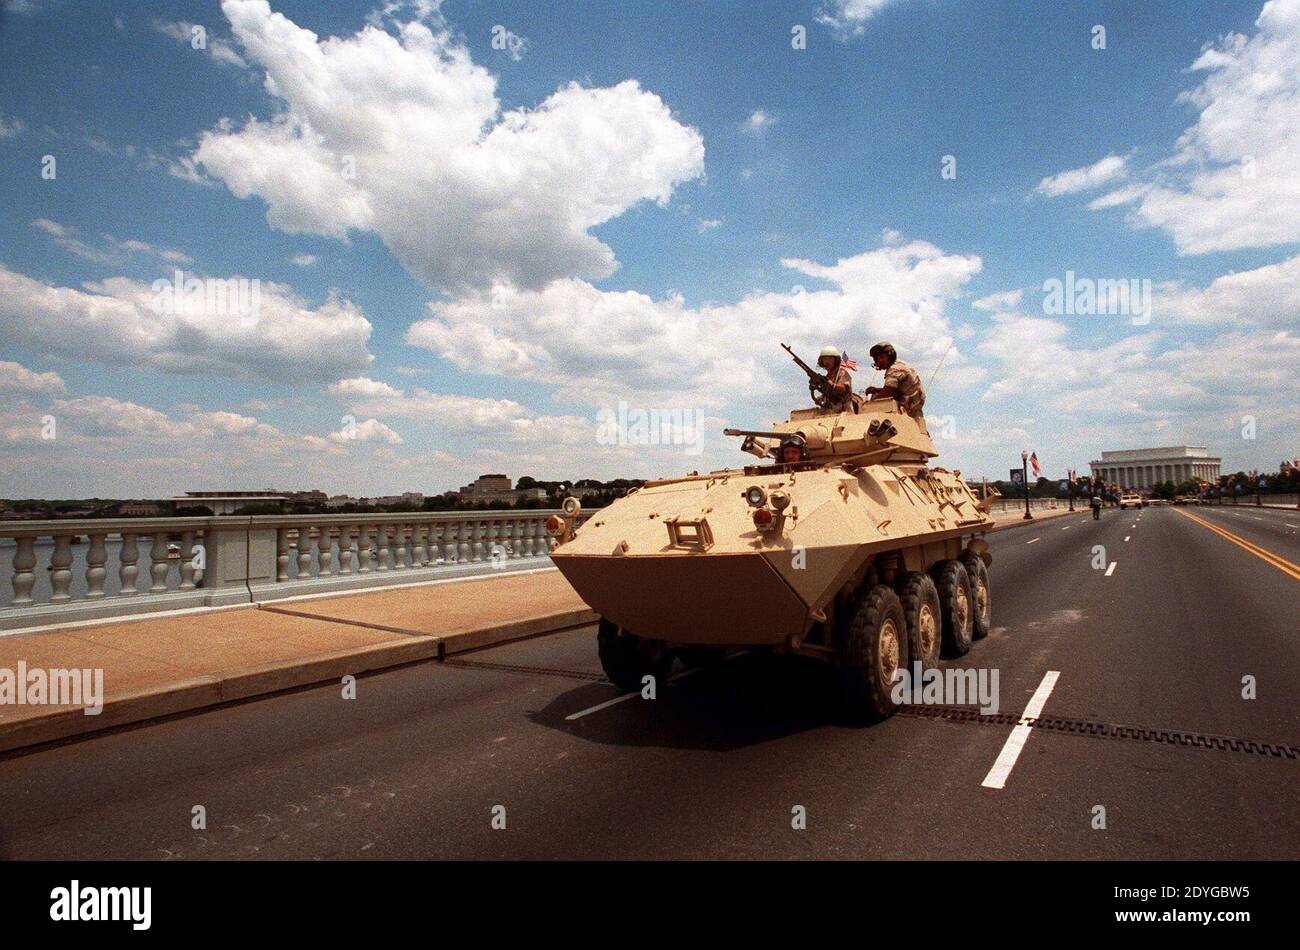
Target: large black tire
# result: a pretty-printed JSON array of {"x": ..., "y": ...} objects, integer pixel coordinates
[
  {"x": 871, "y": 645},
  {"x": 627, "y": 658},
  {"x": 954, "y": 597},
  {"x": 924, "y": 615},
  {"x": 981, "y": 596}
]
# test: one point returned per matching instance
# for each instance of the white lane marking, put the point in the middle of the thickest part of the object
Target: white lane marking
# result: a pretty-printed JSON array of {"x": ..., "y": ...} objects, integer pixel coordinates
[
  {"x": 1111, "y": 570},
  {"x": 1066, "y": 528},
  {"x": 626, "y": 696},
  {"x": 1127, "y": 536},
  {"x": 1290, "y": 525},
  {"x": 1006, "y": 761},
  {"x": 1035, "y": 539}
]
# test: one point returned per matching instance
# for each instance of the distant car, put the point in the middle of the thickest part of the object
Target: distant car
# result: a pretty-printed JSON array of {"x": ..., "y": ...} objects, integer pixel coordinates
[{"x": 1130, "y": 499}]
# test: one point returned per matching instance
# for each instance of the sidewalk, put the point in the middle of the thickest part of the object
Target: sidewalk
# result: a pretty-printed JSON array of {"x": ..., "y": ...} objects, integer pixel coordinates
[
  {"x": 183, "y": 661},
  {"x": 170, "y": 664}
]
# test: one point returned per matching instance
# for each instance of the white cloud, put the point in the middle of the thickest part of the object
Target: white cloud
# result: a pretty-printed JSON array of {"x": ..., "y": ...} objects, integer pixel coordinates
[
  {"x": 708, "y": 224},
  {"x": 849, "y": 17},
  {"x": 111, "y": 251},
  {"x": 183, "y": 31},
  {"x": 304, "y": 260},
  {"x": 1000, "y": 302},
  {"x": 368, "y": 430},
  {"x": 371, "y": 397},
  {"x": 463, "y": 193},
  {"x": 10, "y": 127},
  {"x": 759, "y": 120},
  {"x": 14, "y": 377},
  {"x": 117, "y": 321},
  {"x": 1265, "y": 296},
  {"x": 599, "y": 346},
  {"x": 1087, "y": 178}
]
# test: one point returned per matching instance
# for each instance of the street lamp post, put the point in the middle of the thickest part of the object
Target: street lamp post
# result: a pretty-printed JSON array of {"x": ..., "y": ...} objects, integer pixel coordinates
[
  {"x": 1024, "y": 467},
  {"x": 1071, "y": 483}
]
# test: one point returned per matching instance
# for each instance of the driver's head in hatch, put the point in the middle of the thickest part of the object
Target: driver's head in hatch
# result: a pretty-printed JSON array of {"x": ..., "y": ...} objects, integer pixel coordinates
[{"x": 791, "y": 451}]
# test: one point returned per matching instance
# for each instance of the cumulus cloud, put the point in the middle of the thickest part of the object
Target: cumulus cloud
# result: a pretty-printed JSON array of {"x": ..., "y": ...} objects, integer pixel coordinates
[
  {"x": 849, "y": 18},
  {"x": 303, "y": 260},
  {"x": 1087, "y": 178},
  {"x": 366, "y": 396},
  {"x": 599, "y": 346},
  {"x": 759, "y": 120},
  {"x": 10, "y": 127},
  {"x": 401, "y": 134},
  {"x": 368, "y": 430},
  {"x": 1000, "y": 302},
  {"x": 14, "y": 377},
  {"x": 183, "y": 31},
  {"x": 1265, "y": 296},
  {"x": 119, "y": 321},
  {"x": 1230, "y": 181}
]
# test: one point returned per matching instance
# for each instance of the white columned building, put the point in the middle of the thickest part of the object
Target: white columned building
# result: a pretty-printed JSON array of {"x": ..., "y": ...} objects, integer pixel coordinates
[{"x": 1143, "y": 468}]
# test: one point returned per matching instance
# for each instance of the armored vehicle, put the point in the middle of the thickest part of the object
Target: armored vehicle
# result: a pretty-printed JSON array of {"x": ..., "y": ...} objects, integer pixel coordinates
[{"x": 844, "y": 544}]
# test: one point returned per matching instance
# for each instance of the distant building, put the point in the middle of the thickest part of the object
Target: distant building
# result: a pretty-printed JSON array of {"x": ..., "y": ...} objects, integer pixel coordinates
[
  {"x": 489, "y": 488},
  {"x": 1144, "y": 468},
  {"x": 140, "y": 509},
  {"x": 228, "y": 502},
  {"x": 405, "y": 498}
]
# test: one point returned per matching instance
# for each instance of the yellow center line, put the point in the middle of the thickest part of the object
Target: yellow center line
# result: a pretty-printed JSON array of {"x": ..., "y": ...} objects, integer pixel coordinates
[{"x": 1276, "y": 560}]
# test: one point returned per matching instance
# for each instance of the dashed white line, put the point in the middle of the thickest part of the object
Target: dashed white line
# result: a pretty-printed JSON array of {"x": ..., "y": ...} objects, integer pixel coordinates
[
  {"x": 1111, "y": 570},
  {"x": 1035, "y": 539},
  {"x": 1127, "y": 536},
  {"x": 626, "y": 696},
  {"x": 1067, "y": 527},
  {"x": 1006, "y": 761}
]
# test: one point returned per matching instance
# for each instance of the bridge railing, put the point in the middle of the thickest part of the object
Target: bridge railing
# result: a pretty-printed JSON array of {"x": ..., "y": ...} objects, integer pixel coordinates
[{"x": 84, "y": 569}]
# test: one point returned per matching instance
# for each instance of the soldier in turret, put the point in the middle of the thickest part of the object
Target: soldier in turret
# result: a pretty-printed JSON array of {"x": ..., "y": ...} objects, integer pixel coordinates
[
  {"x": 901, "y": 382},
  {"x": 837, "y": 374}
]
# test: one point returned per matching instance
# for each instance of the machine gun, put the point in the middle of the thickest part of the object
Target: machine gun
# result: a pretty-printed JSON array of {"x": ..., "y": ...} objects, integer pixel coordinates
[{"x": 819, "y": 387}]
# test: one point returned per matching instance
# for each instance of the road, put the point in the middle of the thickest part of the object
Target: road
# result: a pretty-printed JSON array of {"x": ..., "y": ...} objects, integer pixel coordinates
[{"x": 717, "y": 765}]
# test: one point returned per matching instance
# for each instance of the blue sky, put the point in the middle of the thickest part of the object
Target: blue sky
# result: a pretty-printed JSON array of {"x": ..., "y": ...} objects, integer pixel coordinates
[{"x": 632, "y": 203}]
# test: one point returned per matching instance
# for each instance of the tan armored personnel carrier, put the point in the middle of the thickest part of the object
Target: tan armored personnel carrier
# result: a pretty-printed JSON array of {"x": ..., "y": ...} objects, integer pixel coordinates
[{"x": 842, "y": 544}]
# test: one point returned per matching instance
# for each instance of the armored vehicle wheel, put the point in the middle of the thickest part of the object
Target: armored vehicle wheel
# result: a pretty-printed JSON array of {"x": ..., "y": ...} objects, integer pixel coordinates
[
  {"x": 871, "y": 646},
  {"x": 924, "y": 615},
  {"x": 981, "y": 602},
  {"x": 627, "y": 658},
  {"x": 954, "y": 596}
]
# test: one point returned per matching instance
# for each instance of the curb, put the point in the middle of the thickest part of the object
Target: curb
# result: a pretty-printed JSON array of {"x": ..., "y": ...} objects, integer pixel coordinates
[{"x": 200, "y": 692}]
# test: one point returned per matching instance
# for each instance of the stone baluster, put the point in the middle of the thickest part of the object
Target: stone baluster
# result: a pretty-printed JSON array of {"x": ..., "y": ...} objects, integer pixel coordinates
[
  {"x": 129, "y": 556},
  {"x": 282, "y": 554},
  {"x": 187, "y": 560},
  {"x": 507, "y": 537},
  {"x": 381, "y": 547},
  {"x": 399, "y": 553},
  {"x": 363, "y": 549},
  {"x": 464, "y": 530},
  {"x": 449, "y": 548},
  {"x": 419, "y": 557},
  {"x": 61, "y": 568},
  {"x": 325, "y": 551},
  {"x": 158, "y": 565},
  {"x": 476, "y": 532},
  {"x": 492, "y": 542},
  {"x": 96, "y": 558},
  {"x": 24, "y": 570},
  {"x": 304, "y": 552},
  {"x": 345, "y": 549}
]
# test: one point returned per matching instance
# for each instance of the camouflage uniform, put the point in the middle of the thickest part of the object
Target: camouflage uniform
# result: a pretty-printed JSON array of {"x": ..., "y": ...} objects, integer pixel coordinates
[{"x": 910, "y": 392}]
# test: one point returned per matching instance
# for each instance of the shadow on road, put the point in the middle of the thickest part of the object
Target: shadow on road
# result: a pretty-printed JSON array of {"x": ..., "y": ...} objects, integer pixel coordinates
[{"x": 730, "y": 705}]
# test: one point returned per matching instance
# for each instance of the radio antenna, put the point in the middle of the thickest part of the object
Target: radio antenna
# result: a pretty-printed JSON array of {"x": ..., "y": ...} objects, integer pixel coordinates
[{"x": 941, "y": 359}]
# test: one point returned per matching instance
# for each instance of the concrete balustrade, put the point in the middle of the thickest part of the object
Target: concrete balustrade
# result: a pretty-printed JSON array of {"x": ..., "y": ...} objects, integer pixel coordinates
[{"x": 86, "y": 569}]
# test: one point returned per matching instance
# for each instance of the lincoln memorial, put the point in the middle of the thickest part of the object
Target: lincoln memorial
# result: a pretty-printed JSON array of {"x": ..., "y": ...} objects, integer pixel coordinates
[{"x": 1143, "y": 468}]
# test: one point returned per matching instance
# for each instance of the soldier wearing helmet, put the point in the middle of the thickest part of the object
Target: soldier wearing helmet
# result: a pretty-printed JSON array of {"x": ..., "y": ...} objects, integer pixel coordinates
[
  {"x": 901, "y": 381},
  {"x": 838, "y": 376}
]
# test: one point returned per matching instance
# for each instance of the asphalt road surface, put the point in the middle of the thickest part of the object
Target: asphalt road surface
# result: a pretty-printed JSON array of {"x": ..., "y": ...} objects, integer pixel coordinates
[{"x": 717, "y": 766}]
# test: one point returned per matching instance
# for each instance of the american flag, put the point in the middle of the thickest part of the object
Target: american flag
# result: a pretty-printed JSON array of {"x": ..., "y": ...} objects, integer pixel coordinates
[
  {"x": 1033, "y": 460},
  {"x": 850, "y": 365}
]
